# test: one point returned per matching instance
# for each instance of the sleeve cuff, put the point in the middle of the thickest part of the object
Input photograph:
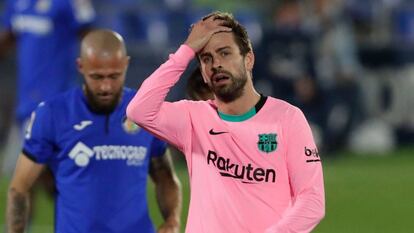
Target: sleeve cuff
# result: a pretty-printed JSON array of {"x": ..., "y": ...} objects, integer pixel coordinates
[{"x": 29, "y": 156}]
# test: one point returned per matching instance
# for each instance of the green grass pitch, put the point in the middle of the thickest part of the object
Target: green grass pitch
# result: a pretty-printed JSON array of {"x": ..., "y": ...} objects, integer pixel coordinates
[{"x": 364, "y": 194}]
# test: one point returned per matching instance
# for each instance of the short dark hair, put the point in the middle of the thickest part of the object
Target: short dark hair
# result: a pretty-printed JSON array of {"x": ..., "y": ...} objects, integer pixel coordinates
[{"x": 239, "y": 31}]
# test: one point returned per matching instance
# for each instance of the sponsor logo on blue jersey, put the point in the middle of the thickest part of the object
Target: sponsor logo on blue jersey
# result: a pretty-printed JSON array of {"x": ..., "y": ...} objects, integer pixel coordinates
[{"x": 81, "y": 154}]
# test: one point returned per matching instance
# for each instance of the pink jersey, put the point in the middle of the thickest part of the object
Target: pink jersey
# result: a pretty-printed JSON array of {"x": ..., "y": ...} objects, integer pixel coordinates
[{"x": 261, "y": 174}]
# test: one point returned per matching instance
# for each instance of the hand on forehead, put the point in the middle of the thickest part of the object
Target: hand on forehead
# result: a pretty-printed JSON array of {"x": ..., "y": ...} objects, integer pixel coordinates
[{"x": 203, "y": 30}]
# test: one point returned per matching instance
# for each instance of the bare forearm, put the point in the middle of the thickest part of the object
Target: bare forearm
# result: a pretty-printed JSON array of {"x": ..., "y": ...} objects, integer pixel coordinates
[
  {"x": 170, "y": 201},
  {"x": 168, "y": 191},
  {"x": 7, "y": 41},
  {"x": 17, "y": 211}
]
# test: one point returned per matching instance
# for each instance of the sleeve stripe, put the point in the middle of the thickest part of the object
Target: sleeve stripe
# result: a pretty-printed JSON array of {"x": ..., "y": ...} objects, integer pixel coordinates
[{"x": 30, "y": 156}]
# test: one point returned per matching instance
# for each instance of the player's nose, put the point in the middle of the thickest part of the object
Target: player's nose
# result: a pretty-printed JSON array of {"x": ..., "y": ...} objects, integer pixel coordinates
[
  {"x": 216, "y": 63},
  {"x": 105, "y": 85}
]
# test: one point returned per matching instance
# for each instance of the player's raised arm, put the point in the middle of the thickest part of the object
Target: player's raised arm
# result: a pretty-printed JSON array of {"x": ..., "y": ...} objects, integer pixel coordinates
[
  {"x": 148, "y": 108},
  {"x": 18, "y": 195}
]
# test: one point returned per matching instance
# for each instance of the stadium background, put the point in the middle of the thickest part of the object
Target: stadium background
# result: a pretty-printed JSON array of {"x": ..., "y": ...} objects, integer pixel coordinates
[{"x": 347, "y": 63}]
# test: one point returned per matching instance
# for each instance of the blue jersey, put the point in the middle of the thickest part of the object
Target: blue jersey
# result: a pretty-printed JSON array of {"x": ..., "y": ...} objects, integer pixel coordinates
[
  {"x": 100, "y": 164},
  {"x": 47, "y": 33}
]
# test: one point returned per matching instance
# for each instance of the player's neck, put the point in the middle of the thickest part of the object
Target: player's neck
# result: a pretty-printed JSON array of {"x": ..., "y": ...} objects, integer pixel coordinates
[{"x": 241, "y": 105}]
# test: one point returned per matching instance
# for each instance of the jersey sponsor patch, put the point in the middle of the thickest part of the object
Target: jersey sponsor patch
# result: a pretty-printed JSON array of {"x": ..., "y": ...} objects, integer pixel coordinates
[
  {"x": 82, "y": 154},
  {"x": 38, "y": 25},
  {"x": 247, "y": 174},
  {"x": 312, "y": 155}
]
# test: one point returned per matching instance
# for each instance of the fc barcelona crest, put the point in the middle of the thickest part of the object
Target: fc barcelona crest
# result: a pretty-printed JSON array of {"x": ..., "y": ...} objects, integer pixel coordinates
[{"x": 267, "y": 142}]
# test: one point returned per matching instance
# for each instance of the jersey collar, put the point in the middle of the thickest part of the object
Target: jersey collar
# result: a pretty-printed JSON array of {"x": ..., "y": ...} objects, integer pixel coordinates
[{"x": 249, "y": 114}]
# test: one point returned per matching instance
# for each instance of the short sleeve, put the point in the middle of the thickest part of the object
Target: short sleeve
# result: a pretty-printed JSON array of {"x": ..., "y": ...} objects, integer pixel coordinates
[
  {"x": 158, "y": 147},
  {"x": 39, "y": 133}
]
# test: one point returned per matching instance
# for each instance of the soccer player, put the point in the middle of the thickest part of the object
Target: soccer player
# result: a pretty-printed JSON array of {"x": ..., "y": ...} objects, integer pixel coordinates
[
  {"x": 252, "y": 161},
  {"x": 46, "y": 34},
  {"x": 99, "y": 158}
]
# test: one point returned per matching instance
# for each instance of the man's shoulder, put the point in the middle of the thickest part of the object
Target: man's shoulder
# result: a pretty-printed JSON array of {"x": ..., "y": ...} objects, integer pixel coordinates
[
  {"x": 65, "y": 96},
  {"x": 128, "y": 93},
  {"x": 60, "y": 101},
  {"x": 279, "y": 102},
  {"x": 281, "y": 105}
]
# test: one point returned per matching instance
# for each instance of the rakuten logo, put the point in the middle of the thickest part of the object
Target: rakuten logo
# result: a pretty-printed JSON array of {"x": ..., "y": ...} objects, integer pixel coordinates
[{"x": 247, "y": 174}]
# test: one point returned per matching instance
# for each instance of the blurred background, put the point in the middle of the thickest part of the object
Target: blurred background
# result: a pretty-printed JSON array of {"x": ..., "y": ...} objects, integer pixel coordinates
[{"x": 348, "y": 64}]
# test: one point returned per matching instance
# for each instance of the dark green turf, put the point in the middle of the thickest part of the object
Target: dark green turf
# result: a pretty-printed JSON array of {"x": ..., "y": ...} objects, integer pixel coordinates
[{"x": 366, "y": 193}]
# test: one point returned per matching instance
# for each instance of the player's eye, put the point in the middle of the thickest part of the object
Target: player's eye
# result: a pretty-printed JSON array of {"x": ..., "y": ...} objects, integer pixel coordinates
[
  {"x": 206, "y": 59},
  {"x": 95, "y": 76},
  {"x": 114, "y": 76},
  {"x": 224, "y": 53}
]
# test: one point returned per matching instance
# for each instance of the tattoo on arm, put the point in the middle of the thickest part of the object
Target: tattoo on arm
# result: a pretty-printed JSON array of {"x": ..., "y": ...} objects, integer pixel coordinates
[
  {"x": 168, "y": 188},
  {"x": 17, "y": 211}
]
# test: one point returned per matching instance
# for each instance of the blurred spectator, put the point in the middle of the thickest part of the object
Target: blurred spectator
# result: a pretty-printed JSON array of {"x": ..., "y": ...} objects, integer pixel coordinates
[
  {"x": 230, "y": 6},
  {"x": 305, "y": 42},
  {"x": 286, "y": 65},
  {"x": 315, "y": 104},
  {"x": 337, "y": 69},
  {"x": 46, "y": 33},
  {"x": 285, "y": 54},
  {"x": 150, "y": 28}
]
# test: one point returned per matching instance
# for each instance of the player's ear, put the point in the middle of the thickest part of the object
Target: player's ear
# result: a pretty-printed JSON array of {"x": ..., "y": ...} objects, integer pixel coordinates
[
  {"x": 203, "y": 75},
  {"x": 127, "y": 59},
  {"x": 249, "y": 60},
  {"x": 205, "y": 79}
]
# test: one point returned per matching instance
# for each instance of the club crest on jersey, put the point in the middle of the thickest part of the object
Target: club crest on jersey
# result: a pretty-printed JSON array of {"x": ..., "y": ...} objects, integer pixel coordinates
[
  {"x": 130, "y": 126},
  {"x": 267, "y": 142}
]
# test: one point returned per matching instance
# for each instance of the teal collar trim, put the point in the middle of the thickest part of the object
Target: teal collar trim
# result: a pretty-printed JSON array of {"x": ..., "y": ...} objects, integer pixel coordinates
[{"x": 238, "y": 118}]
